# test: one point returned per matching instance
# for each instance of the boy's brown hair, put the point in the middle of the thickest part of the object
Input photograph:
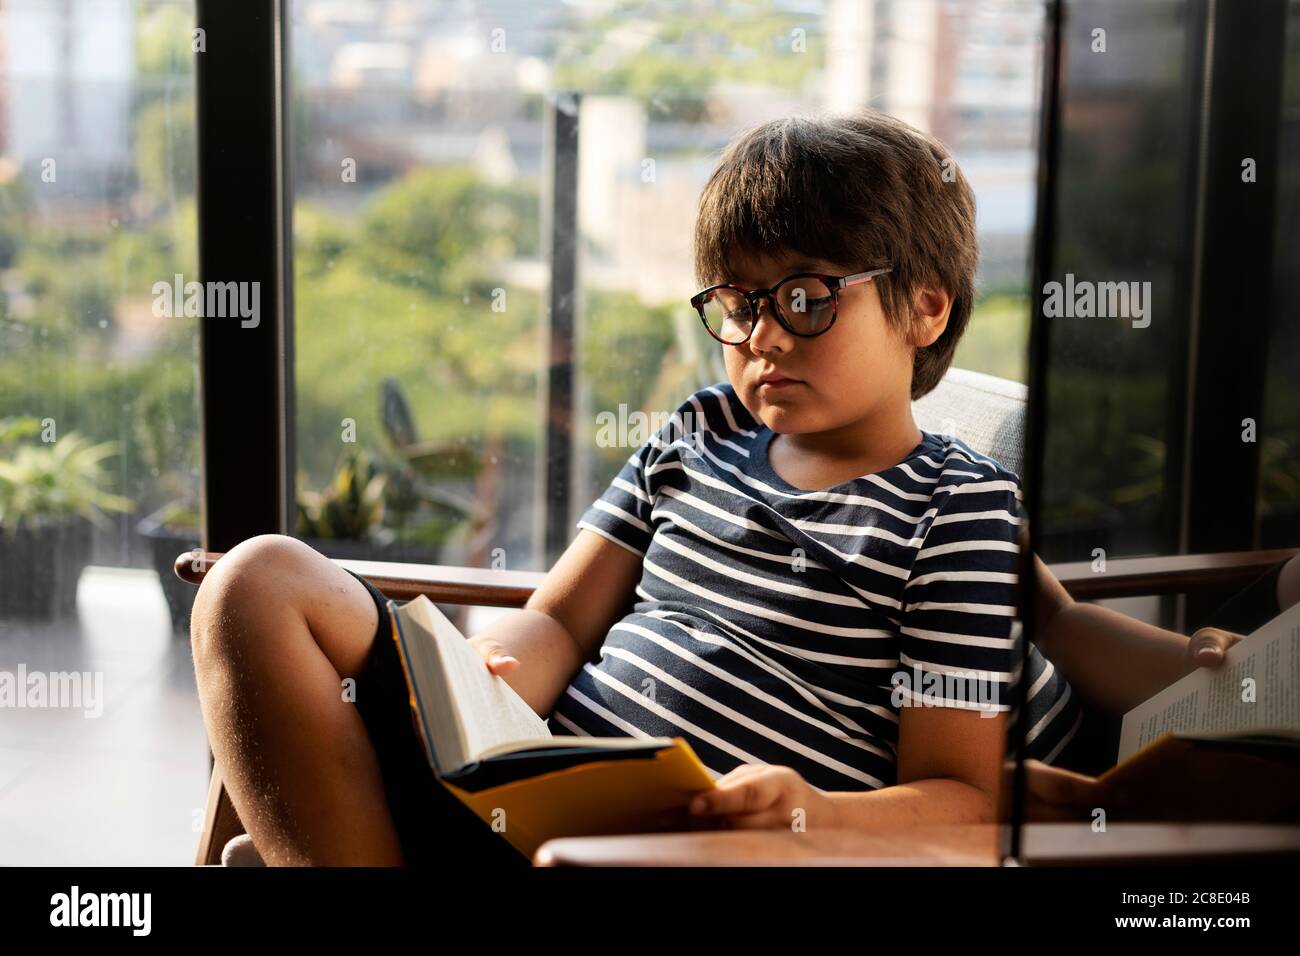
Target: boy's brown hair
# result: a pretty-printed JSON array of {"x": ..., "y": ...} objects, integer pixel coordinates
[{"x": 864, "y": 189}]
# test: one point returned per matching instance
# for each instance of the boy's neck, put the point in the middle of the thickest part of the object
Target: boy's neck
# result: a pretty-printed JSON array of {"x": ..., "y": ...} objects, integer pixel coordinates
[{"x": 826, "y": 458}]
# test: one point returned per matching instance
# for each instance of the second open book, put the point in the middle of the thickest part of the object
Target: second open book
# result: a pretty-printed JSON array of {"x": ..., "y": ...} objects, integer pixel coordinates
[{"x": 1222, "y": 743}]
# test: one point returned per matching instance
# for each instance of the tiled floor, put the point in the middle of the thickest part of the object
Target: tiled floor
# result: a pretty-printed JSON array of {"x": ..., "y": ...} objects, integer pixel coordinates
[{"x": 125, "y": 787}]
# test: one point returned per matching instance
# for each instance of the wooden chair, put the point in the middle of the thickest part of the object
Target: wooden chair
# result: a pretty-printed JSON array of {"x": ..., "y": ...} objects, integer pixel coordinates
[{"x": 985, "y": 412}]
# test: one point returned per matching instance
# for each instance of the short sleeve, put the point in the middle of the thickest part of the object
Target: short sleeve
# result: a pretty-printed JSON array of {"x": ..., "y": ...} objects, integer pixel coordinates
[
  {"x": 956, "y": 634},
  {"x": 622, "y": 512}
]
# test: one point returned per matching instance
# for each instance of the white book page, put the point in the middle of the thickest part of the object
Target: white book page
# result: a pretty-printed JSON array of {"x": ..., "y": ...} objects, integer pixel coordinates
[
  {"x": 489, "y": 711},
  {"x": 597, "y": 743},
  {"x": 1211, "y": 699}
]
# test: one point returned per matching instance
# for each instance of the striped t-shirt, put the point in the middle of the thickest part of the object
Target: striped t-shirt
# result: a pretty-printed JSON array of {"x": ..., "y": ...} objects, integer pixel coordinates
[{"x": 782, "y": 626}]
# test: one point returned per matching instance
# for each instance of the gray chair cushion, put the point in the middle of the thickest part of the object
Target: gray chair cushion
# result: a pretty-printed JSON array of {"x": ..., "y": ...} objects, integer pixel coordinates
[{"x": 986, "y": 412}]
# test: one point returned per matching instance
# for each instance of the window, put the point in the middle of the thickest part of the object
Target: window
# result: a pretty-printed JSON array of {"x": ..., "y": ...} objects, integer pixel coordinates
[
  {"x": 98, "y": 431},
  {"x": 426, "y": 244},
  {"x": 1172, "y": 339}
]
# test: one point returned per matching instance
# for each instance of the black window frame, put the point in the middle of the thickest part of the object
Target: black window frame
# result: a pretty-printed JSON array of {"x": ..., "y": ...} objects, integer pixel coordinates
[
  {"x": 245, "y": 374},
  {"x": 1237, "y": 51}
]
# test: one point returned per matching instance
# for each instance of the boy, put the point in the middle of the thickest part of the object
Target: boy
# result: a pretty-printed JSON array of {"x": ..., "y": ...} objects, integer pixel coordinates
[
  {"x": 810, "y": 560},
  {"x": 821, "y": 593}
]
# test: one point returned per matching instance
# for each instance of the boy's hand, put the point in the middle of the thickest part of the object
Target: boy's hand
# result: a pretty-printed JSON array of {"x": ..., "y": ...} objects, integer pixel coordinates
[
  {"x": 762, "y": 797},
  {"x": 1207, "y": 646},
  {"x": 1057, "y": 795},
  {"x": 499, "y": 661}
]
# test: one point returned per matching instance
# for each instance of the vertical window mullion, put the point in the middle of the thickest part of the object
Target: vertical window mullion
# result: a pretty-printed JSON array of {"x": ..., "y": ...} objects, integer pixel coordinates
[{"x": 243, "y": 362}]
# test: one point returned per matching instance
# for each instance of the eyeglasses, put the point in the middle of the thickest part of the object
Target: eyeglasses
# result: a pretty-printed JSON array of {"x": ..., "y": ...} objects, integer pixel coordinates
[{"x": 805, "y": 304}]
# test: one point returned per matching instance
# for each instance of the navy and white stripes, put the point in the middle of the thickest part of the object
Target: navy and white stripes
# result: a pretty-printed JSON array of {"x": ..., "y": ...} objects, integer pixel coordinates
[{"x": 782, "y": 626}]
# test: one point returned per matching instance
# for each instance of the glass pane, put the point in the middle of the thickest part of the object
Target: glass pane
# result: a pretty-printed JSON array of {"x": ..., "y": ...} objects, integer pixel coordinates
[
  {"x": 421, "y": 267},
  {"x": 1123, "y": 215},
  {"x": 1119, "y": 313},
  {"x": 1279, "y": 490},
  {"x": 98, "y": 433}
]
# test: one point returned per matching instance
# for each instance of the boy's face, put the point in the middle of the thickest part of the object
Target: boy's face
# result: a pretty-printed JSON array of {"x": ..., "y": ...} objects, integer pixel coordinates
[{"x": 856, "y": 370}]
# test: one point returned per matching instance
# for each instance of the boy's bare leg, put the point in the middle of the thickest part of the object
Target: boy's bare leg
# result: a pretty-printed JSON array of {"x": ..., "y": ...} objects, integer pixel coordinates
[{"x": 276, "y": 628}]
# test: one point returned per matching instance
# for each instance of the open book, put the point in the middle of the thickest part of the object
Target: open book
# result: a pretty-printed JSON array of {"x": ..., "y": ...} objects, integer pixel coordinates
[
  {"x": 493, "y": 752},
  {"x": 1222, "y": 743}
]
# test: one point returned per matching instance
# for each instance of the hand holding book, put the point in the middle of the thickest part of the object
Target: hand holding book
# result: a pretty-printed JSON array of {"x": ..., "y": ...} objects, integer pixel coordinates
[
  {"x": 1221, "y": 743},
  {"x": 1057, "y": 795},
  {"x": 498, "y": 756},
  {"x": 498, "y": 659},
  {"x": 1208, "y": 646}
]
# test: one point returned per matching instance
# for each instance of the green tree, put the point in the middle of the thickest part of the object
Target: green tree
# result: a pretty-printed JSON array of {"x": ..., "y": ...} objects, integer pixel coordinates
[
  {"x": 166, "y": 149},
  {"x": 672, "y": 56},
  {"x": 439, "y": 228}
]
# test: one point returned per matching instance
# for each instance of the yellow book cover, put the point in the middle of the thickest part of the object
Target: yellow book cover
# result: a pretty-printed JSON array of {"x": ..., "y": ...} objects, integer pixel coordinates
[{"x": 491, "y": 750}]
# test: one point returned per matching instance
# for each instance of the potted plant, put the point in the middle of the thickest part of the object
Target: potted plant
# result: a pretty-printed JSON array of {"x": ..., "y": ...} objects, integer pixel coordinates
[
  {"x": 422, "y": 507},
  {"x": 169, "y": 530},
  {"x": 166, "y": 442},
  {"x": 50, "y": 495},
  {"x": 377, "y": 511},
  {"x": 343, "y": 519}
]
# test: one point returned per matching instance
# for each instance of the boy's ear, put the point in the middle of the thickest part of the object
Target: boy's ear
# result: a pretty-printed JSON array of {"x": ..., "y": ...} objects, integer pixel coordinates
[{"x": 930, "y": 309}]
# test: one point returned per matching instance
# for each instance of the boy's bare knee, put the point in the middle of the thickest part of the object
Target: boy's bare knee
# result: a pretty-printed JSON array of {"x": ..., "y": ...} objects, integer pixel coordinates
[
  {"x": 268, "y": 582},
  {"x": 248, "y": 580}
]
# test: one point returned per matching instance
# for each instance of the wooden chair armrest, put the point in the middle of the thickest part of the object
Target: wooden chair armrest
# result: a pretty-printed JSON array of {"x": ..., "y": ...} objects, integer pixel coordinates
[
  {"x": 951, "y": 845},
  {"x": 1051, "y": 844},
  {"x": 440, "y": 583},
  {"x": 1166, "y": 574},
  {"x": 1123, "y": 577}
]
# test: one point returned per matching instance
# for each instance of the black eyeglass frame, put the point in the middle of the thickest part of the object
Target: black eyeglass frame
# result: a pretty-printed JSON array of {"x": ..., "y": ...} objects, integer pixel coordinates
[{"x": 835, "y": 284}]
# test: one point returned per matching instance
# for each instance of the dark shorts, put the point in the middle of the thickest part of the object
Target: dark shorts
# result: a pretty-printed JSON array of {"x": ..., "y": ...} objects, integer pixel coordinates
[{"x": 435, "y": 828}]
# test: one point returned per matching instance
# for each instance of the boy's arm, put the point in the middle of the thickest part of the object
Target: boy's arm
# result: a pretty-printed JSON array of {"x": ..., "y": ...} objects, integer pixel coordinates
[
  {"x": 956, "y": 615},
  {"x": 948, "y": 772},
  {"x": 1111, "y": 660},
  {"x": 948, "y": 758},
  {"x": 589, "y": 588},
  {"x": 565, "y": 621}
]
